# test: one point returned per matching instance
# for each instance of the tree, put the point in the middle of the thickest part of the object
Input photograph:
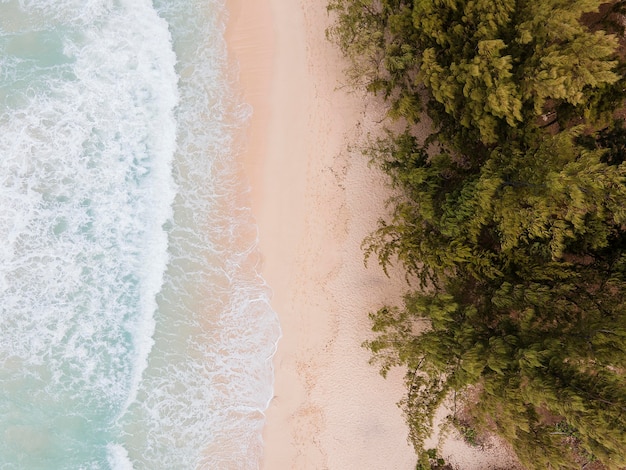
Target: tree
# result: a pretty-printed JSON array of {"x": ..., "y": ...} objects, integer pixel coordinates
[
  {"x": 379, "y": 39},
  {"x": 546, "y": 340},
  {"x": 512, "y": 223},
  {"x": 495, "y": 63}
]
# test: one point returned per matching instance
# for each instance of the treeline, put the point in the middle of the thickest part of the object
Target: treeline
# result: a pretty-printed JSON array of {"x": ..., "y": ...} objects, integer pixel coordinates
[{"x": 511, "y": 219}]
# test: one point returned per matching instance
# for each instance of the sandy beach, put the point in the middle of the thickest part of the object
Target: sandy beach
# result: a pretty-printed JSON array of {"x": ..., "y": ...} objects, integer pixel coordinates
[{"x": 315, "y": 199}]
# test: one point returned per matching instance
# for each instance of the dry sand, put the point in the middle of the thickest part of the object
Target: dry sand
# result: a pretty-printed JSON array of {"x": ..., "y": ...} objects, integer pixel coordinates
[{"x": 314, "y": 201}]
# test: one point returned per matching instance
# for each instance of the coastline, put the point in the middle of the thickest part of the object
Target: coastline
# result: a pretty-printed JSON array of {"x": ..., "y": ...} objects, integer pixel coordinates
[
  {"x": 315, "y": 198},
  {"x": 314, "y": 201}
]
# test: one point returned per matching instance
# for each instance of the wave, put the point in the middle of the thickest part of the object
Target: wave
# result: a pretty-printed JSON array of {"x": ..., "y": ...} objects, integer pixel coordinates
[{"x": 135, "y": 329}]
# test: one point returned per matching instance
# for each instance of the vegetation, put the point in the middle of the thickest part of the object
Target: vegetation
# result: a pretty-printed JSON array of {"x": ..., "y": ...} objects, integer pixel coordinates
[
  {"x": 511, "y": 217},
  {"x": 430, "y": 460}
]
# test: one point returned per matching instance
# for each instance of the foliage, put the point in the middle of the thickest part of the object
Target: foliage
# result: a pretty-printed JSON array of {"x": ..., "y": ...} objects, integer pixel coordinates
[
  {"x": 468, "y": 432},
  {"x": 431, "y": 460},
  {"x": 491, "y": 65},
  {"x": 458, "y": 215},
  {"x": 548, "y": 337},
  {"x": 510, "y": 216},
  {"x": 379, "y": 36}
]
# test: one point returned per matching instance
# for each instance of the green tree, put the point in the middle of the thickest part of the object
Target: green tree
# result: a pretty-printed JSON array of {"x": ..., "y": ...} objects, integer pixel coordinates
[
  {"x": 495, "y": 63},
  {"x": 542, "y": 340},
  {"x": 553, "y": 198},
  {"x": 379, "y": 38},
  {"x": 512, "y": 222}
]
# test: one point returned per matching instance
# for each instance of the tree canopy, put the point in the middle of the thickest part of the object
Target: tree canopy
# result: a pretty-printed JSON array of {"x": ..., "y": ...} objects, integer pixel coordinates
[{"x": 511, "y": 216}]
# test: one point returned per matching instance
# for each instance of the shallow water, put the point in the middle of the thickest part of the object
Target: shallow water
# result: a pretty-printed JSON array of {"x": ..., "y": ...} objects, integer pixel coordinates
[{"x": 134, "y": 329}]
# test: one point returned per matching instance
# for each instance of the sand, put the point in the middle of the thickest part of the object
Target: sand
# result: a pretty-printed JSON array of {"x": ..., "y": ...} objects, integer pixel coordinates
[{"x": 315, "y": 199}]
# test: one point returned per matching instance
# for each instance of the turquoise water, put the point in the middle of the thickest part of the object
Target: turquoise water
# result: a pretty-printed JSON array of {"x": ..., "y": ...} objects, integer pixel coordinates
[{"x": 135, "y": 331}]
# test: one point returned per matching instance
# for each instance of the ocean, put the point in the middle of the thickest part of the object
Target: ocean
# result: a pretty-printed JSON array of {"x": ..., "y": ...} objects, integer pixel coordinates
[{"x": 135, "y": 330}]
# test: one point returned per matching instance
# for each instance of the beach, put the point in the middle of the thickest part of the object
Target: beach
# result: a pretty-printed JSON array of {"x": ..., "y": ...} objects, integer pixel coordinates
[
  {"x": 315, "y": 198},
  {"x": 314, "y": 201}
]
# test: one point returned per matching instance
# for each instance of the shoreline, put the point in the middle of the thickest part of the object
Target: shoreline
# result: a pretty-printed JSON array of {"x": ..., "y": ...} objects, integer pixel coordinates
[{"x": 314, "y": 201}]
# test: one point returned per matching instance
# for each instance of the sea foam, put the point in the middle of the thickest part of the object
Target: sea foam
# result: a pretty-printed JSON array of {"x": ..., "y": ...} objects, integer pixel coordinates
[{"x": 135, "y": 330}]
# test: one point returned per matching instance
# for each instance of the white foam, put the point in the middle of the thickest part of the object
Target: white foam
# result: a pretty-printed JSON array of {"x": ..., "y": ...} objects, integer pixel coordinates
[
  {"x": 85, "y": 189},
  {"x": 209, "y": 378},
  {"x": 117, "y": 457},
  {"x": 85, "y": 192}
]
